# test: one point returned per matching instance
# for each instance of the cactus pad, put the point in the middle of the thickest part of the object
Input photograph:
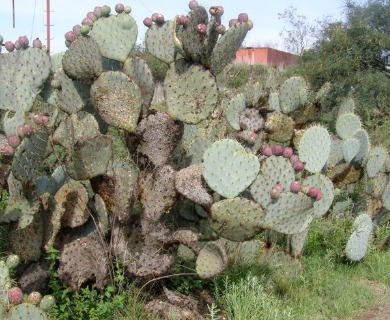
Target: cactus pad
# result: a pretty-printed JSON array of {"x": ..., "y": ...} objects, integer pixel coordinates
[
  {"x": 26, "y": 311},
  {"x": 314, "y": 148},
  {"x": 376, "y": 160},
  {"x": 116, "y": 36},
  {"x": 347, "y": 124},
  {"x": 386, "y": 197},
  {"x": 211, "y": 261},
  {"x": 325, "y": 185},
  {"x": 351, "y": 147},
  {"x": 159, "y": 41},
  {"x": 236, "y": 219},
  {"x": 233, "y": 110},
  {"x": 228, "y": 169},
  {"x": 293, "y": 94},
  {"x": 191, "y": 95},
  {"x": 357, "y": 244},
  {"x": 362, "y": 136}
]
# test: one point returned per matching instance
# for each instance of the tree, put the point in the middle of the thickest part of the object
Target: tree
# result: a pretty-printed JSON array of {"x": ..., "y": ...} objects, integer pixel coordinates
[{"x": 353, "y": 56}]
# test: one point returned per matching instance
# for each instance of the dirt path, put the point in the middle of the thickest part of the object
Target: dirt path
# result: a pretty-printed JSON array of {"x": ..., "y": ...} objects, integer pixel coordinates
[{"x": 381, "y": 309}]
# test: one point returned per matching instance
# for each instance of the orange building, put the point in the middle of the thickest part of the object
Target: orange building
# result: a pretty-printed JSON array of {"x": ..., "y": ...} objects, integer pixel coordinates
[{"x": 265, "y": 56}]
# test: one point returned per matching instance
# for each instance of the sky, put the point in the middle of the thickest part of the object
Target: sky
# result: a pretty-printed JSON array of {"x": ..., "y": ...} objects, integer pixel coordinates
[{"x": 30, "y": 16}]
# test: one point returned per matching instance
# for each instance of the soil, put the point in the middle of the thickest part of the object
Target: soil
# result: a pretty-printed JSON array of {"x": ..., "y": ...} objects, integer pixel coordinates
[{"x": 381, "y": 309}]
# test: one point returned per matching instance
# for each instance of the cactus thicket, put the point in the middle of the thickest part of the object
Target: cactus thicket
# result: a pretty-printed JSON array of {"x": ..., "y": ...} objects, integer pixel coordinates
[{"x": 94, "y": 159}]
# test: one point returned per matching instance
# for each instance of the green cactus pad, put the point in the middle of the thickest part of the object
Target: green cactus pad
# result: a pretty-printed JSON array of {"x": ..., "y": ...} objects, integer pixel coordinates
[
  {"x": 280, "y": 127},
  {"x": 351, "y": 147},
  {"x": 347, "y": 124},
  {"x": 189, "y": 183},
  {"x": 325, "y": 185},
  {"x": 346, "y": 106},
  {"x": 117, "y": 99},
  {"x": 376, "y": 160},
  {"x": 357, "y": 244},
  {"x": 26, "y": 311},
  {"x": 211, "y": 261},
  {"x": 159, "y": 135},
  {"x": 116, "y": 36},
  {"x": 386, "y": 197},
  {"x": 82, "y": 61},
  {"x": 196, "y": 150},
  {"x": 293, "y": 94},
  {"x": 297, "y": 243},
  {"x": 364, "y": 139},
  {"x": 212, "y": 36},
  {"x": 273, "y": 102},
  {"x": 225, "y": 49},
  {"x": 72, "y": 96},
  {"x": 336, "y": 152},
  {"x": 291, "y": 213},
  {"x": 89, "y": 158},
  {"x": 159, "y": 41},
  {"x": 274, "y": 170},
  {"x": 137, "y": 69},
  {"x": 47, "y": 302},
  {"x": 233, "y": 109},
  {"x": 27, "y": 164},
  {"x": 314, "y": 148},
  {"x": 228, "y": 169},
  {"x": 22, "y": 75},
  {"x": 191, "y": 95},
  {"x": 236, "y": 219}
]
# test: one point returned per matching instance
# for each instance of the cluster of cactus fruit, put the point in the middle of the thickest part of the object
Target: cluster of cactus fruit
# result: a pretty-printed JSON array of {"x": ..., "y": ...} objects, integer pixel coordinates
[{"x": 91, "y": 157}]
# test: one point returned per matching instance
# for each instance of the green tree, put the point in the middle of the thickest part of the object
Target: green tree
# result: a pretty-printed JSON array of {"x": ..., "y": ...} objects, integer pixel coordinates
[{"x": 353, "y": 56}]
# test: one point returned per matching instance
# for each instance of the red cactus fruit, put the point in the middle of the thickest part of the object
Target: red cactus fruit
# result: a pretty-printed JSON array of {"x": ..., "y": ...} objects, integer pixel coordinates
[
  {"x": 182, "y": 20},
  {"x": 24, "y": 42},
  {"x": 266, "y": 151},
  {"x": 70, "y": 36},
  {"x": 276, "y": 190},
  {"x": 201, "y": 28},
  {"x": 13, "y": 140},
  {"x": 295, "y": 187},
  {"x": 76, "y": 30},
  {"x": 9, "y": 46},
  {"x": 232, "y": 22},
  {"x": 298, "y": 165},
  {"x": 221, "y": 29},
  {"x": 7, "y": 150},
  {"x": 193, "y": 4},
  {"x": 158, "y": 18},
  {"x": 37, "y": 43},
  {"x": 87, "y": 22},
  {"x": 97, "y": 12},
  {"x": 119, "y": 7},
  {"x": 287, "y": 152},
  {"x": 221, "y": 10},
  {"x": 41, "y": 118},
  {"x": 277, "y": 150},
  {"x": 15, "y": 295},
  {"x": 24, "y": 130},
  {"x": 319, "y": 196},
  {"x": 148, "y": 22},
  {"x": 294, "y": 158},
  {"x": 243, "y": 17}
]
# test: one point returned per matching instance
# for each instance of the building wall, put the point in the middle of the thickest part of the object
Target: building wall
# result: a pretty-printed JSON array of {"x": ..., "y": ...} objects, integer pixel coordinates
[{"x": 265, "y": 56}]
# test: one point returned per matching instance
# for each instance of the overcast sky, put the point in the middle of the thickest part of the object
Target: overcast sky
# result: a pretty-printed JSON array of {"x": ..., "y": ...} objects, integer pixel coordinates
[{"x": 30, "y": 16}]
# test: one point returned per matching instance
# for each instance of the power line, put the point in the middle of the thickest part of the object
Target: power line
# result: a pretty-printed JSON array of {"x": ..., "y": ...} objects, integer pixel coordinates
[
  {"x": 33, "y": 20},
  {"x": 145, "y": 6}
]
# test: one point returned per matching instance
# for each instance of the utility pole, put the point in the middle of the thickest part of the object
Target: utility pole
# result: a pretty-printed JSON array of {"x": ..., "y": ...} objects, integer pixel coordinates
[
  {"x": 13, "y": 13},
  {"x": 48, "y": 25}
]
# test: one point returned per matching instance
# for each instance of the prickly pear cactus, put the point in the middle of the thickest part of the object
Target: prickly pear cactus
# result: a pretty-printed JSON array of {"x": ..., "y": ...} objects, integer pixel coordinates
[{"x": 357, "y": 244}]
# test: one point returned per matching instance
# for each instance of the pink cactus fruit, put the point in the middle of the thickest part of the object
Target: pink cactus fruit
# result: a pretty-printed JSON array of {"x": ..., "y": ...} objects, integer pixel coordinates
[
  {"x": 182, "y": 20},
  {"x": 7, "y": 150},
  {"x": 70, "y": 36},
  {"x": 277, "y": 150},
  {"x": 35, "y": 298},
  {"x": 37, "y": 43},
  {"x": 158, "y": 18},
  {"x": 76, "y": 30},
  {"x": 294, "y": 158},
  {"x": 221, "y": 29},
  {"x": 24, "y": 42},
  {"x": 232, "y": 22},
  {"x": 15, "y": 295},
  {"x": 266, "y": 151},
  {"x": 87, "y": 22},
  {"x": 41, "y": 119},
  {"x": 312, "y": 192},
  {"x": 201, "y": 28},
  {"x": 92, "y": 16},
  {"x": 287, "y": 152},
  {"x": 319, "y": 196},
  {"x": 119, "y": 7},
  {"x": 17, "y": 45},
  {"x": 221, "y": 10},
  {"x": 148, "y": 22},
  {"x": 97, "y": 11},
  {"x": 13, "y": 140},
  {"x": 295, "y": 187},
  {"x": 24, "y": 130},
  {"x": 193, "y": 4},
  {"x": 9, "y": 46},
  {"x": 243, "y": 17},
  {"x": 276, "y": 190},
  {"x": 298, "y": 165}
]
